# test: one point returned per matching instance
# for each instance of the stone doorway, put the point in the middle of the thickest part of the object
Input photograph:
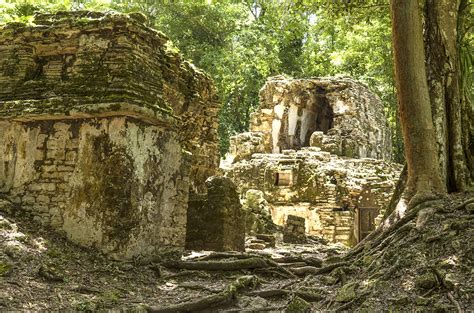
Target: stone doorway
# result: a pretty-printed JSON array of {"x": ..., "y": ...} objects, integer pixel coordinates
[
  {"x": 365, "y": 221},
  {"x": 366, "y": 212}
]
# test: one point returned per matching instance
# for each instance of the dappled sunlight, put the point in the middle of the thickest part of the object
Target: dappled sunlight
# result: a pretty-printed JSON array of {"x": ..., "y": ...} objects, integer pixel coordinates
[
  {"x": 399, "y": 212},
  {"x": 408, "y": 283},
  {"x": 15, "y": 240}
]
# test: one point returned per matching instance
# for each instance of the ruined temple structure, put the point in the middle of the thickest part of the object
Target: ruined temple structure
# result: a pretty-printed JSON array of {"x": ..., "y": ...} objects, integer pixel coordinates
[
  {"x": 319, "y": 149},
  {"x": 104, "y": 129}
]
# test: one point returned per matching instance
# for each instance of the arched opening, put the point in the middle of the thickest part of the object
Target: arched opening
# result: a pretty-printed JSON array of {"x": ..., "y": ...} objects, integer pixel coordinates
[{"x": 317, "y": 115}]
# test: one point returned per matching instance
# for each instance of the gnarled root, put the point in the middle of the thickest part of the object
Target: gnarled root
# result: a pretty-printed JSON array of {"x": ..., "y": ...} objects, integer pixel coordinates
[{"x": 222, "y": 298}]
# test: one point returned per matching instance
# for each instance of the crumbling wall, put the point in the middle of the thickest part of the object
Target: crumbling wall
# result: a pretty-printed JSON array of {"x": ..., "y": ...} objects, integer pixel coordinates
[
  {"x": 216, "y": 220},
  {"x": 324, "y": 189},
  {"x": 103, "y": 130},
  {"x": 70, "y": 60},
  {"x": 107, "y": 183},
  {"x": 349, "y": 118}
]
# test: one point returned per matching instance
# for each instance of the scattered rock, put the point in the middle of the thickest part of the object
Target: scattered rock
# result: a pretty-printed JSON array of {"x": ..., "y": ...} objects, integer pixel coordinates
[
  {"x": 256, "y": 246},
  {"x": 426, "y": 281},
  {"x": 269, "y": 240},
  {"x": 49, "y": 273}
]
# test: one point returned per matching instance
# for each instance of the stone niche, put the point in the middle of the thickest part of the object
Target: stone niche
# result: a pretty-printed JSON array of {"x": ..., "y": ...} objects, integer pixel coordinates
[
  {"x": 103, "y": 130},
  {"x": 338, "y": 115},
  {"x": 317, "y": 148}
]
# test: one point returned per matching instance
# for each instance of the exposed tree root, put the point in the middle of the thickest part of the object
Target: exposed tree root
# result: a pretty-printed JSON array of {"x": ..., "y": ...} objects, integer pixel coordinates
[
  {"x": 312, "y": 261},
  {"x": 375, "y": 238},
  {"x": 455, "y": 302},
  {"x": 303, "y": 294},
  {"x": 288, "y": 259},
  {"x": 330, "y": 267},
  {"x": 267, "y": 309},
  {"x": 229, "y": 265},
  {"x": 398, "y": 192},
  {"x": 187, "y": 273},
  {"x": 270, "y": 293},
  {"x": 293, "y": 265},
  {"x": 281, "y": 268},
  {"x": 224, "y": 255},
  {"x": 232, "y": 265},
  {"x": 220, "y": 299},
  {"x": 462, "y": 205},
  {"x": 305, "y": 270},
  {"x": 197, "y": 287},
  {"x": 273, "y": 272}
]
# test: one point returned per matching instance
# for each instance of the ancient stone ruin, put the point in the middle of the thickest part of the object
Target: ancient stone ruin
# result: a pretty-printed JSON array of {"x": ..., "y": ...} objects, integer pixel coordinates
[
  {"x": 319, "y": 149},
  {"x": 103, "y": 130},
  {"x": 340, "y": 116},
  {"x": 215, "y": 220}
]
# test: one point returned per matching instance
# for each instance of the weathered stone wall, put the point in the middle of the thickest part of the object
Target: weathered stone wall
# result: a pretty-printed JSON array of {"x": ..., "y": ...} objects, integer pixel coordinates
[
  {"x": 294, "y": 231},
  {"x": 70, "y": 60},
  {"x": 107, "y": 182},
  {"x": 216, "y": 220},
  {"x": 103, "y": 130},
  {"x": 348, "y": 117},
  {"x": 316, "y": 149},
  {"x": 323, "y": 188}
]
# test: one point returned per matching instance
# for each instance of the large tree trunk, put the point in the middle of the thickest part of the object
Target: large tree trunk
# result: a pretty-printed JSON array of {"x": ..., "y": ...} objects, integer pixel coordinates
[
  {"x": 415, "y": 110},
  {"x": 452, "y": 113}
]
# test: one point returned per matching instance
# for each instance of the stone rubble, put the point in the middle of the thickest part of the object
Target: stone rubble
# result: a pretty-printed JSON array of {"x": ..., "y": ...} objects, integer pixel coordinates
[{"x": 294, "y": 230}]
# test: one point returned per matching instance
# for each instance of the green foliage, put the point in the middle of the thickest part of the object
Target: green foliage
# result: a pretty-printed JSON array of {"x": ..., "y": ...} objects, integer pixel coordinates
[{"x": 240, "y": 44}]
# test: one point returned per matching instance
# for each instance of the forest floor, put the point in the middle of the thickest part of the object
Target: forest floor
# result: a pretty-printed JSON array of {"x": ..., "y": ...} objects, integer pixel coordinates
[{"x": 423, "y": 262}]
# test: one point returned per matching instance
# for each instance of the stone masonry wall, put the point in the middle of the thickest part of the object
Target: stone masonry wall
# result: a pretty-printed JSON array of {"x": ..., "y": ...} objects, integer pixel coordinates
[
  {"x": 107, "y": 182},
  {"x": 216, "y": 220},
  {"x": 323, "y": 188},
  {"x": 104, "y": 128},
  {"x": 91, "y": 62}
]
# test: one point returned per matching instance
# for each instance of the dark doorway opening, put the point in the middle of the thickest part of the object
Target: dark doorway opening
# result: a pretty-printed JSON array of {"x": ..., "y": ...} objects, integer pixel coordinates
[
  {"x": 320, "y": 118},
  {"x": 365, "y": 221}
]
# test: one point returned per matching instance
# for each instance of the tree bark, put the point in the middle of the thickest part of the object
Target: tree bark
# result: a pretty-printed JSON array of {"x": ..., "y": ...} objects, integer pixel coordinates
[
  {"x": 415, "y": 110},
  {"x": 452, "y": 113}
]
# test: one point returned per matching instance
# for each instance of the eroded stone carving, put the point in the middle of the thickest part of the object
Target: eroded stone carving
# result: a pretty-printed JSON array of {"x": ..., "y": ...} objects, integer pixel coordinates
[{"x": 348, "y": 119}]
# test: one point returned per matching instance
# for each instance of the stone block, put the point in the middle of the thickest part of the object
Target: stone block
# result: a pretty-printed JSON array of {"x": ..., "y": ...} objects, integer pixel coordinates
[
  {"x": 294, "y": 230},
  {"x": 216, "y": 221}
]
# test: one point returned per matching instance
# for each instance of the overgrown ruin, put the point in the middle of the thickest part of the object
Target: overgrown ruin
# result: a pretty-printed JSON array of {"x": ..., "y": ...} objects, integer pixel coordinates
[
  {"x": 104, "y": 129},
  {"x": 319, "y": 149}
]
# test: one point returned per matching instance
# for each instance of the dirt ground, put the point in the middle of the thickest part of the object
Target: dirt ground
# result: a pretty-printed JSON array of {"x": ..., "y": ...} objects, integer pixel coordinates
[{"x": 423, "y": 262}]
